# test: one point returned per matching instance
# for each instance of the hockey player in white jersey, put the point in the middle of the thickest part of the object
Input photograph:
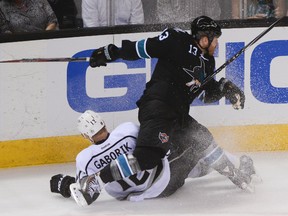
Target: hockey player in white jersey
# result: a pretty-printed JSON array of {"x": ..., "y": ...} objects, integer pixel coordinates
[
  {"x": 105, "y": 148},
  {"x": 117, "y": 147}
]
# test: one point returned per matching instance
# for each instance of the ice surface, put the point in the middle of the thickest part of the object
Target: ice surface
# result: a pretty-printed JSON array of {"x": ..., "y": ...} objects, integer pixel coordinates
[{"x": 25, "y": 191}]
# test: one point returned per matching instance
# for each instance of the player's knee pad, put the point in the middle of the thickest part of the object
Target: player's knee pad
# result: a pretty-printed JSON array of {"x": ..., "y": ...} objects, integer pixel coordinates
[{"x": 124, "y": 166}]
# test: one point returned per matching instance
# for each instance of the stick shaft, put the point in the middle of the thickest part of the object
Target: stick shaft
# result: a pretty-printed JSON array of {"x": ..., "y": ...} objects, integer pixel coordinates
[{"x": 80, "y": 59}]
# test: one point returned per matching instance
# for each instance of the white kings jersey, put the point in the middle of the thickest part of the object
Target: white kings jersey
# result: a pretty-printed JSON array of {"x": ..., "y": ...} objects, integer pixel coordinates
[{"x": 122, "y": 140}]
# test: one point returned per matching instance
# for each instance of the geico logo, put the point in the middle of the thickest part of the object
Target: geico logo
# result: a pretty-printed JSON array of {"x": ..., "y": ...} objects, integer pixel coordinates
[{"x": 132, "y": 84}]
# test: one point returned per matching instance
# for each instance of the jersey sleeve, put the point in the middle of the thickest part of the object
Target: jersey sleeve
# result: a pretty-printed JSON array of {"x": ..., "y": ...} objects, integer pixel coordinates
[
  {"x": 128, "y": 129},
  {"x": 161, "y": 46},
  {"x": 81, "y": 163}
]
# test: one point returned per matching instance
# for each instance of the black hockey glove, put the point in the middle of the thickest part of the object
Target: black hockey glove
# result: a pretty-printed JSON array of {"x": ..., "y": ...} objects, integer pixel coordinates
[
  {"x": 60, "y": 184},
  {"x": 103, "y": 55},
  {"x": 232, "y": 93}
]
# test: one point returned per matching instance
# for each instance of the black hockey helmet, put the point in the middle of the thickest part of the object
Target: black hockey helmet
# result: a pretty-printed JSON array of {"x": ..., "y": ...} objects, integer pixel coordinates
[{"x": 205, "y": 26}]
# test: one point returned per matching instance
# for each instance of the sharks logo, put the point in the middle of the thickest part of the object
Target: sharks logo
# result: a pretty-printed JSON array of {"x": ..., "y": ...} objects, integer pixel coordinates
[{"x": 197, "y": 75}]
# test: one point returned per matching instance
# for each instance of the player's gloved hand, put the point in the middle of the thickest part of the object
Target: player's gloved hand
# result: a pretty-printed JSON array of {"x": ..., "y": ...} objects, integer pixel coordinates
[
  {"x": 103, "y": 55},
  {"x": 60, "y": 184},
  {"x": 232, "y": 93}
]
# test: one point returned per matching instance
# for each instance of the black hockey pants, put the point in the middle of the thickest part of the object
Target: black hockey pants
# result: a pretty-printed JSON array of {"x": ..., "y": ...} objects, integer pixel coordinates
[{"x": 161, "y": 130}]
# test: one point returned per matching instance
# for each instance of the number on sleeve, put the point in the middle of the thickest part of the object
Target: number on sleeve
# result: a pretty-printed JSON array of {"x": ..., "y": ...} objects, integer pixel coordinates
[
  {"x": 193, "y": 50},
  {"x": 164, "y": 35}
]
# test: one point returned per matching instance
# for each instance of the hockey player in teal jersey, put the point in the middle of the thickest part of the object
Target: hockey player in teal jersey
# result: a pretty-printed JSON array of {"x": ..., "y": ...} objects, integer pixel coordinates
[{"x": 184, "y": 62}]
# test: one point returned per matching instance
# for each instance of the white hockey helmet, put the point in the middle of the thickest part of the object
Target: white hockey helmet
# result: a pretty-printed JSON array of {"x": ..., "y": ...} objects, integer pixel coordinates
[{"x": 90, "y": 123}]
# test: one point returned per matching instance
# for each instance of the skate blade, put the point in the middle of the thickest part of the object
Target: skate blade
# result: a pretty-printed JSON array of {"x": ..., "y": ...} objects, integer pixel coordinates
[
  {"x": 250, "y": 188},
  {"x": 77, "y": 195}
]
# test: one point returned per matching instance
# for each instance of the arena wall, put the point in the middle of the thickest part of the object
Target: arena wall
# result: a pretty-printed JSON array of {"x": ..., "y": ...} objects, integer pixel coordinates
[{"x": 40, "y": 101}]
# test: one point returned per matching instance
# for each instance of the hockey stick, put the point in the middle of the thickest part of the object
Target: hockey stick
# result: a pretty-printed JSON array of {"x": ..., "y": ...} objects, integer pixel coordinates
[
  {"x": 79, "y": 59},
  {"x": 208, "y": 78}
]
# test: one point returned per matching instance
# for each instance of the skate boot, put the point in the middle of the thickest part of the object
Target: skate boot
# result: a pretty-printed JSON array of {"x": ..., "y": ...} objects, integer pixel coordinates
[
  {"x": 86, "y": 191},
  {"x": 225, "y": 167},
  {"x": 245, "y": 177},
  {"x": 247, "y": 167},
  {"x": 242, "y": 180}
]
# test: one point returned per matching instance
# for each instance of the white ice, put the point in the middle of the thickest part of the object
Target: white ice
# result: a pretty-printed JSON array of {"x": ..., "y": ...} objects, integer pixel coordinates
[{"x": 25, "y": 191}]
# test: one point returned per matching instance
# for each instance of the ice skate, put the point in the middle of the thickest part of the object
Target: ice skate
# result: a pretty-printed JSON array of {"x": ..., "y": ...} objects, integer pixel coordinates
[
  {"x": 245, "y": 176},
  {"x": 242, "y": 180},
  {"x": 247, "y": 167}
]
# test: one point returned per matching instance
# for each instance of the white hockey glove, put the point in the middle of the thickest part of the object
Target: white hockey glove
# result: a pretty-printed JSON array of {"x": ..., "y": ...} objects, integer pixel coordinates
[
  {"x": 86, "y": 191},
  {"x": 232, "y": 93}
]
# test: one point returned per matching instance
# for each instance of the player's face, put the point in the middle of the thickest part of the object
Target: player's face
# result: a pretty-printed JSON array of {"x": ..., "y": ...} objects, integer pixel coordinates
[
  {"x": 87, "y": 137},
  {"x": 212, "y": 47},
  {"x": 100, "y": 135}
]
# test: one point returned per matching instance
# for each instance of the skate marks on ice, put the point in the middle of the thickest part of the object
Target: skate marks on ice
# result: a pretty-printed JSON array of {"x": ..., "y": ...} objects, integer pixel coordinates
[{"x": 25, "y": 191}]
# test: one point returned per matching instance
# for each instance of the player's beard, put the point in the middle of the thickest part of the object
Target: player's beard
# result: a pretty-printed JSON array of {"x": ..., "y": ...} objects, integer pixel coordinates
[{"x": 211, "y": 50}]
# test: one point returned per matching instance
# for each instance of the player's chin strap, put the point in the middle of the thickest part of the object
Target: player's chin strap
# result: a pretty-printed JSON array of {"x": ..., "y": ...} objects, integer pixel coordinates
[{"x": 86, "y": 191}]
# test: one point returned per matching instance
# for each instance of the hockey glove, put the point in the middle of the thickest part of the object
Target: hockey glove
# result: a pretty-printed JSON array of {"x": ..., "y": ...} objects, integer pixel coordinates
[
  {"x": 87, "y": 191},
  {"x": 232, "y": 93},
  {"x": 103, "y": 55},
  {"x": 60, "y": 184}
]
